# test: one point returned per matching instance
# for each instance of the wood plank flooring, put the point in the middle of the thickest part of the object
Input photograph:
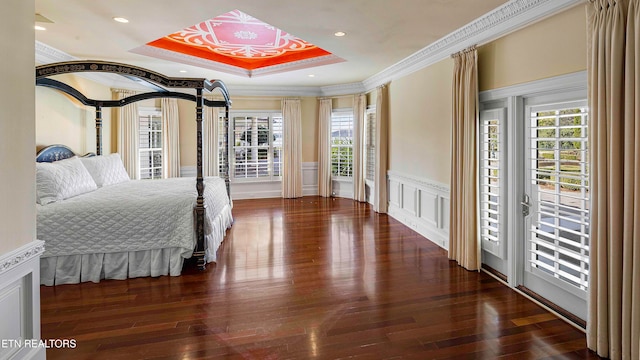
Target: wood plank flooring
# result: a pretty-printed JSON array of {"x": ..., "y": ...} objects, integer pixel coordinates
[{"x": 309, "y": 278}]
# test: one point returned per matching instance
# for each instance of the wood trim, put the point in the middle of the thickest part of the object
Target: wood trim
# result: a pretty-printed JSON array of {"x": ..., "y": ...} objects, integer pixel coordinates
[
  {"x": 562, "y": 312},
  {"x": 495, "y": 272}
]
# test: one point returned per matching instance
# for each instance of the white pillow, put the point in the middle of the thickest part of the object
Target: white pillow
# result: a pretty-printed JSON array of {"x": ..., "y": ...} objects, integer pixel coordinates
[
  {"x": 61, "y": 180},
  {"x": 106, "y": 170}
]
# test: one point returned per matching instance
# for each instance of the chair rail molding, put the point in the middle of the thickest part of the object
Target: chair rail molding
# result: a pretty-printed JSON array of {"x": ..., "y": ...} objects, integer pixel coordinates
[
  {"x": 421, "y": 204},
  {"x": 20, "y": 255}
]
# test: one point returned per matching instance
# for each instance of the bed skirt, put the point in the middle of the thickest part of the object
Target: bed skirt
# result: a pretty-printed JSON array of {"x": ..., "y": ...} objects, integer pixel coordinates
[{"x": 73, "y": 269}]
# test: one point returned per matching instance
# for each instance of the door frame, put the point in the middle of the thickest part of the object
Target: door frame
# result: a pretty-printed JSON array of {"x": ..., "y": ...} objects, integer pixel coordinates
[{"x": 513, "y": 98}]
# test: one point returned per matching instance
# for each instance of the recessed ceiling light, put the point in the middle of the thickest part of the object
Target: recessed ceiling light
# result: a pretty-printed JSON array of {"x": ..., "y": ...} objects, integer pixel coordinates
[
  {"x": 121, "y": 20},
  {"x": 41, "y": 28},
  {"x": 340, "y": 33},
  {"x": 312, "y": 75},
  {"x": 183, "y": 71}
]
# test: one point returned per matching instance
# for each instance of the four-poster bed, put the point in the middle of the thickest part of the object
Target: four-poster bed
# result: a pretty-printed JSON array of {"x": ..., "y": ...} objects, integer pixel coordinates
[{"x": 160, "y": 84}]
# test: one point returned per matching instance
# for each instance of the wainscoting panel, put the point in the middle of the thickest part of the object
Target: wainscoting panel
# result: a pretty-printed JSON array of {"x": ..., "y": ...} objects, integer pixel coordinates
[
  {"x": 395, "y": 193},
  {"x": 20, "y": 302},
  {"x": 267, "y": 189},
  {"x": 429, "y": 207},
  {"x": 342, "y": 188},
  {"x": 409, "y": 195},
  {"x": 310, "y": 178},
  {"x": 422, "y": 205}
]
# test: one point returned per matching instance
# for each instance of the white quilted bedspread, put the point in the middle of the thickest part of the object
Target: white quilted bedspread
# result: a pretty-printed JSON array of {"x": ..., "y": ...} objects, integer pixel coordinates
[{"x": 130, "y": 216}]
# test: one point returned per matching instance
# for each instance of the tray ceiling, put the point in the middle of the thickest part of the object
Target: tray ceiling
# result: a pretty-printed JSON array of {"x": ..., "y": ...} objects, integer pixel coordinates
[{"x": 246, "y": 44}]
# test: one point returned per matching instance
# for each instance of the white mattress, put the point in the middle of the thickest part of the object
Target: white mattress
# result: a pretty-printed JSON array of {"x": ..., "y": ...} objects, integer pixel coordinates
[{"x": 132, "y": 219}]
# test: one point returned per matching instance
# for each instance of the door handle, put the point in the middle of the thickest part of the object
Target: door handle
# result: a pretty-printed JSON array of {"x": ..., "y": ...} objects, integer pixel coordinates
[{"x": 526, "y": 205}]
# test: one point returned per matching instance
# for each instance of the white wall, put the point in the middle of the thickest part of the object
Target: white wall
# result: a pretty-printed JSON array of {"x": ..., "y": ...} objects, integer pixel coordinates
[
  {"x": 60, "y": 119},
  {"x": 17, "y": 125},
  {"x": 19, "y": 251}
]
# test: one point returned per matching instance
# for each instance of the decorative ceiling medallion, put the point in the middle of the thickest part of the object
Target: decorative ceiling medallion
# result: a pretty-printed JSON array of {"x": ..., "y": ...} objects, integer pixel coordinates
[{"x": 239, "y": 40}]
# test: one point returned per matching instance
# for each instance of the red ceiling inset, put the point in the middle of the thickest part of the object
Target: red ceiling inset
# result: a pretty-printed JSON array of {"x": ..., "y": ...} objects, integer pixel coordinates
[{"x": 242, "y": 41}]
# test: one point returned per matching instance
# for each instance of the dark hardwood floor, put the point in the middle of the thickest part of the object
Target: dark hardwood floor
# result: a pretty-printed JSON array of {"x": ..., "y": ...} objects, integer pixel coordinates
[{"x": 304, "y": 279}]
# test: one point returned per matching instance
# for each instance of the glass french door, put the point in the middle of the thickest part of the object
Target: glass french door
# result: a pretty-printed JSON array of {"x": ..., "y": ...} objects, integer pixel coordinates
[{"x": 555, "y": 204}]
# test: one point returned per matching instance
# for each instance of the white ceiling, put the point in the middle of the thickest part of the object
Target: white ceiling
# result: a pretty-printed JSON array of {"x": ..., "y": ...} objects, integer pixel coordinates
[{"x": 380, "y": 33}]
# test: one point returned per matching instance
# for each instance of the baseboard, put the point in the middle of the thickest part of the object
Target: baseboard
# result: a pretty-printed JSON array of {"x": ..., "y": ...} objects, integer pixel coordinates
[{"x": 20, "y": 303}]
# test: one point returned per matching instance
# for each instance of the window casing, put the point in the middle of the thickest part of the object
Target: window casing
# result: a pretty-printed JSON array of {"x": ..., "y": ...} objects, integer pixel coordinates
[
  {"x": 256, "y": 151},
  {"x": 342, "y": 143},
  {"x": 150, "y": 143}
]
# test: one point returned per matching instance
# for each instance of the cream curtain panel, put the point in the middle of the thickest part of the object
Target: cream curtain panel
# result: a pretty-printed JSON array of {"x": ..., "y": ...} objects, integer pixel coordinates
[
  {"x": 292, "y": 149},
  {"x": 359, "y": 111},
  {"x": 464, "y": 242},
  {"x": 128, "y": 132},
  {"x": 324, "y": 148},
  {"x": 380, "y": 200},
  {"x": 170, "y": 138},
  {"x": 613, "y": 324},
  {"x": 210, "y": 162}
]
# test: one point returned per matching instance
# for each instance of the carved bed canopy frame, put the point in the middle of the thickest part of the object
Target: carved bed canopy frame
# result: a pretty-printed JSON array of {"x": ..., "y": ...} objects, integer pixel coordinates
[{"x": 159, "y": 83}]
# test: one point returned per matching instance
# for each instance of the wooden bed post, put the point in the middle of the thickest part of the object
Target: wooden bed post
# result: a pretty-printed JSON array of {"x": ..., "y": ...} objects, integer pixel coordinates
[
  {"x": 225, "y": 167},
  {"x": 200, "y": 206},
  {"x": 158, "y": 82},
  {"x": 99, "y": 129}
]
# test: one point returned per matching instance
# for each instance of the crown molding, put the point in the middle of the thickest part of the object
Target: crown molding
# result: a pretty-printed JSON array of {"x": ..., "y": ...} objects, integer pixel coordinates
[
  {"x": 507, "y": 18},
  {"x": 302, "y": 91},
  {"x": 46, "y": 54},
  {"x": 297, "y": 65},
  {"x": 271, "y": 90},
  {"x": 173, "y": 56},
  {"x": 164, "y": 54},
  {"x": 342, "y": 89}
]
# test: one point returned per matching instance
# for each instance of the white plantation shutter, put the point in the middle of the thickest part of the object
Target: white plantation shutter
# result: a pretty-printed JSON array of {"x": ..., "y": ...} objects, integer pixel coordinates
[{"x": 491, "y": 192}]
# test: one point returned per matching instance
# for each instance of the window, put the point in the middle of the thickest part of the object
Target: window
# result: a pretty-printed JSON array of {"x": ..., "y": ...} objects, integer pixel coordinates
[
  {"x": 370, "y": 145},
  {"x": 150, "y": 147},
  {"x": 257, "y": 146},
  {"x": 342, "y": 143},
  {"x": 222, "y": 158}
]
